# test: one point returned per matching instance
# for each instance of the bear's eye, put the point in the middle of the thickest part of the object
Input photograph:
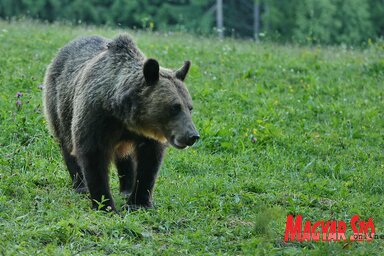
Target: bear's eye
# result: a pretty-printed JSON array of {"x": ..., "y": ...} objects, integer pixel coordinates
[
  {"x": 190, "y": 109},
  {"x": 175, "y": 109}
]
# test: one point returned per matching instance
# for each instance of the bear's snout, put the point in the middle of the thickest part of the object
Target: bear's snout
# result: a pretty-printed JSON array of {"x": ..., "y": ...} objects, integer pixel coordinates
[
  {"x": 192, "y": 139},
  {"x": 185, "y": 141}
]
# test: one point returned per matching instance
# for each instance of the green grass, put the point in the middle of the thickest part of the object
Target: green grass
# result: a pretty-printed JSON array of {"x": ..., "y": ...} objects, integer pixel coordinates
[{"x": 285, "y": 130}]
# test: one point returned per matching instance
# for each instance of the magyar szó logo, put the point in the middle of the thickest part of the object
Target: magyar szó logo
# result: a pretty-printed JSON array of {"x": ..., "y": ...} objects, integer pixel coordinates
[{"x": 330, "y": 230}]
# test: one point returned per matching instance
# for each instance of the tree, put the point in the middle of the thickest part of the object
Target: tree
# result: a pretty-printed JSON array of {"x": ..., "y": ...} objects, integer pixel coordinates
[
  {"x": 304, "y": 21},
  {"x": 376, "y": 9},
  {"x": 10, "y": 8},
  {"x": 315, "y": 21},
  {"x": 278, "y": 18},
  {"x": 354, "y": 22}
]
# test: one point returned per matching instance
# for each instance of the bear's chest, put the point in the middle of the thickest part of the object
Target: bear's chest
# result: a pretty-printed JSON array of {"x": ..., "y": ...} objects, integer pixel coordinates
[{"x": 124, "y": 148}]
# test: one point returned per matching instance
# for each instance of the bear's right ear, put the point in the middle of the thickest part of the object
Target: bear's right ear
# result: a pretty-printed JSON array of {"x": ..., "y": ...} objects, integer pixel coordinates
[{"x": 151, "y": 71}]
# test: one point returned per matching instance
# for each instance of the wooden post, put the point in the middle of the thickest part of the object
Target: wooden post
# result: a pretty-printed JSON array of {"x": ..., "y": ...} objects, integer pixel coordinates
[
  {"x": 219, "y": 18},
  {"x": 256, "y": 20}
]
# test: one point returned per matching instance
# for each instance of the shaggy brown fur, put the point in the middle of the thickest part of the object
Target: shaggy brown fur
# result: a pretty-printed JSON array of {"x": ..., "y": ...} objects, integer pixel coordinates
[{"x": 105, "y": 101}]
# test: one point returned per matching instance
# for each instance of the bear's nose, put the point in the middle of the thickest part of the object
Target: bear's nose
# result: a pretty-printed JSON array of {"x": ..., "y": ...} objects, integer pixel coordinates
[{"x": 192, "y": 139}]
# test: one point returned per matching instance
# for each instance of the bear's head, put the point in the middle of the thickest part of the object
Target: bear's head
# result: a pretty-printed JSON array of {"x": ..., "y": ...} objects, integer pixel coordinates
[{"x": 166, "y": 105}]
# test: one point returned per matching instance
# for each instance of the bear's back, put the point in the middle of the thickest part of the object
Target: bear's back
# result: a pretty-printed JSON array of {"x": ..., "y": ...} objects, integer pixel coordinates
[
  {"x": 60, "y": 81},
  {"x": 72, "y": 57}
]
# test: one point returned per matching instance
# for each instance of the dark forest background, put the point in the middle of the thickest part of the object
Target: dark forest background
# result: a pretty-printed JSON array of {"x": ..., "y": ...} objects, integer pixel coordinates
[{"x": 302, "y": 21}]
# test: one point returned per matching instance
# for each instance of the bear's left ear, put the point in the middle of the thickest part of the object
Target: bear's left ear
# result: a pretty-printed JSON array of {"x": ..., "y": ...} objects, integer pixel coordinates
[
  {"x": 151, "y": 70},
  {"x": 183, "y": 71}
]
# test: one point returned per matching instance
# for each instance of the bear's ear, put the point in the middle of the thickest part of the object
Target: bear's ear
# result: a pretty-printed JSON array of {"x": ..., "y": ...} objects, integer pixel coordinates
[
  {"x": 151, "y": 71},
  {"x": 183, "y": 71}
]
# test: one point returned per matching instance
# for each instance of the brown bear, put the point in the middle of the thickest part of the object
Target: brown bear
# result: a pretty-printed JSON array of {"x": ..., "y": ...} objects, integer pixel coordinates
[{"x": 105, "y": 101}]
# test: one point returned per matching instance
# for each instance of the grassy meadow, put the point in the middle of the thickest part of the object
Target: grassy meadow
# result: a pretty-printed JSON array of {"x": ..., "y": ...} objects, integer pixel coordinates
[{"x": 285, "y": 130}]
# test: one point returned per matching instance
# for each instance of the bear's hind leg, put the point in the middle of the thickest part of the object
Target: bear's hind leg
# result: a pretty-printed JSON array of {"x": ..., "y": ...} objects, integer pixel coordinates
[
  {"x": 149, "y": 156},
  {"x": 74, "y": 171},
  {"x": 126, "y": 169}
]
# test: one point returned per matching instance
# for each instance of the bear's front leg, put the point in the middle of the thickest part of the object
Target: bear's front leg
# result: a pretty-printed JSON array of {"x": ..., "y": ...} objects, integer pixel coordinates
[
  {"x": 149, "y": 155},
  {"x": 95, "y": 167}
]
